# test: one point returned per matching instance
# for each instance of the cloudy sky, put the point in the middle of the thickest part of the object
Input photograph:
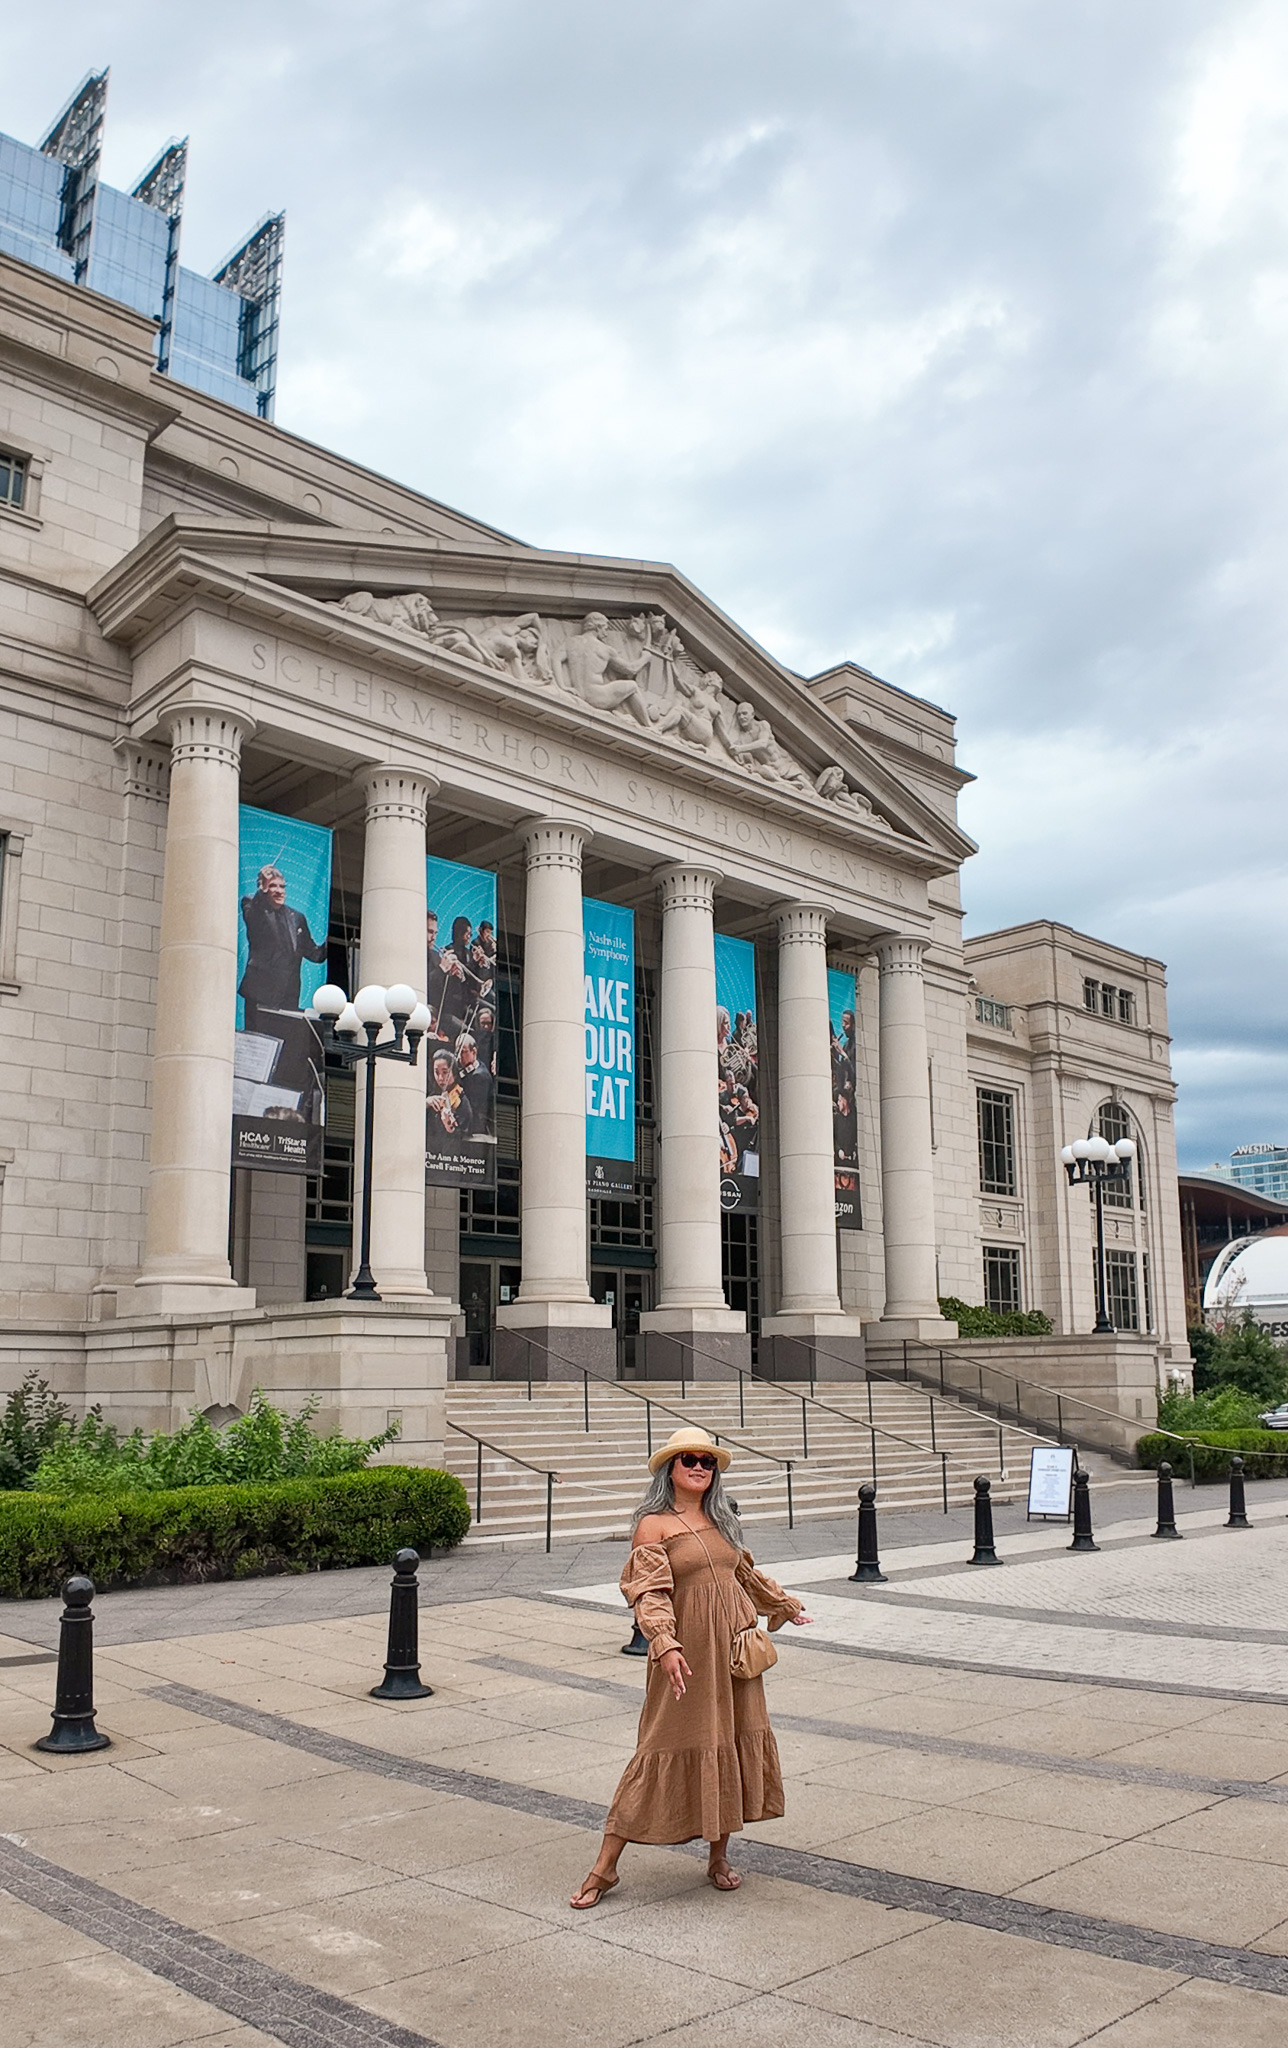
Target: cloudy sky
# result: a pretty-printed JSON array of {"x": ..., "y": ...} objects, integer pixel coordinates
[{"x": 949, "y": 335}]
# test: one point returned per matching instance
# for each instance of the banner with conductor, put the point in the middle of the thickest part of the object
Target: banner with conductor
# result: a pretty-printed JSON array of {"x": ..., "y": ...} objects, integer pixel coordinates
[
  {"x": 284, "y": 886},
  {"x": 610, "y": 1047},
  {"x": 460, "y": 1045},
  {"x": 843, "y": 1011},
  {"x": 738, "y": 1073}
]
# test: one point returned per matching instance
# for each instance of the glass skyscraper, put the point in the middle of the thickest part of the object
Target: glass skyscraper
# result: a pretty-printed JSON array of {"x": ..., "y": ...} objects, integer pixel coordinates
[
  {"x": 217, "y": 333},
  {"x": 1263, "y": 1168}
]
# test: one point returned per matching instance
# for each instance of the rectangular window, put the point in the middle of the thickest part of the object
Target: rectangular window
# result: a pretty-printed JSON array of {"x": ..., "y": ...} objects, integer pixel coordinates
[
  {"x": 1126, "y": 1007},
  {"x": 996, "y": 1111},
  {"x": 1091, "y": 995},
  {"x": 994, "y": 1013},
  {"x": 1122, "y": 1290},
  {"x": 13, "y": 479},
  {"x": 1147, "y": 1290},
  {"x": 1001, "y": 1279},
  {"x": 1108, "y": 1000}
]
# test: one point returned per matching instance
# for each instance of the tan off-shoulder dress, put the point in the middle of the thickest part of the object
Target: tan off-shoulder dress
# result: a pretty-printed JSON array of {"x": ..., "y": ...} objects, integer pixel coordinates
[{"x": 706, "y": 1764}]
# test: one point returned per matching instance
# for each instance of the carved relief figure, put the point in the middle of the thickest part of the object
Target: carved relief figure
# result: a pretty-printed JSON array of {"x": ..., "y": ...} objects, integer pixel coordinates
[
  {"x": 751, "y": 742},
  {"x": 694, "y": 708},
  {"x": 602, "y": 677},
  {"x": 413, "y": 613},
  {"x": 517, "y": 646},
  {"x": 685, "y": 703},
  {"x": 830, "y": 784}
]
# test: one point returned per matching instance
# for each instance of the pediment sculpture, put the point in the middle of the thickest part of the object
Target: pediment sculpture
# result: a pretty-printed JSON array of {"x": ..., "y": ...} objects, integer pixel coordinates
[{"x": 635, "y": 668}]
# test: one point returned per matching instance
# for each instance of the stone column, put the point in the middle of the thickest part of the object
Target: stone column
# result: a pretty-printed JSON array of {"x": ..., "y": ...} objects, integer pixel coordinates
[
  {"x": 393, "y": 949},
  {"x": 562, "y": 1328},
  {"x": 692, "y": 1292},
  {"x": 809, "y": 1329},
  {"x": 185, "y": 1261},
  {"x": 907, "y": 1170}
]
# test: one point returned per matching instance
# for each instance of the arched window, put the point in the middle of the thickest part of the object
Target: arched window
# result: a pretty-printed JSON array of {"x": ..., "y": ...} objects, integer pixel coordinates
[{"x": 1114, "y": 1122}]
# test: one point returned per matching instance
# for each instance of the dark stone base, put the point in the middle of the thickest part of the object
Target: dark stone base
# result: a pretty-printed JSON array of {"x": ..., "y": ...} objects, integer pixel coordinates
[
  {"x": 554, "y": 1354},
  {"x": 706, "y": 1356},
  {"x": 802, "y": 1358}
]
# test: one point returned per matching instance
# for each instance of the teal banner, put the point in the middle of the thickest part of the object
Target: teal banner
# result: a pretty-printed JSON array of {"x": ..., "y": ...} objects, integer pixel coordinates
[
  {"x": 738, "y": 1073},
  {"x": 610, "y": 1047},
  {"x": 843, "y": 1012},
  {"x": 284, "y": 886},
  {"x": 460, "y": 1047}
]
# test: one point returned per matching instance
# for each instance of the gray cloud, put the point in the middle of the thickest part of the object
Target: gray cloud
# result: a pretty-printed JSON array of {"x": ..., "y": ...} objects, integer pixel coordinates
[{"x": 947, "y": 337}]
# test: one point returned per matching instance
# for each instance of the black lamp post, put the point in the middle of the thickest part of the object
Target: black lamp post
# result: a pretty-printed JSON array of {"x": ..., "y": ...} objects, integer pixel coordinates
[
  {"x": 1094, "y": 1162},
  {"x": 352, "y": 1031}
]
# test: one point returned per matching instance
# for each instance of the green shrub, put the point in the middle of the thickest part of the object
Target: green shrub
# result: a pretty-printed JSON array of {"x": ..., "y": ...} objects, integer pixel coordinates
[
  {"x": 29, "y": 1423},
  {"x": 194, "y": 1533},
  {"x": 1242, "y": 1355},
  {"x": 1227, "y": 1408},
  {"x": 1213, "y": 1451},
  {"x": 987, "y": 1322},
  {"x": 262, "y": 1445}
]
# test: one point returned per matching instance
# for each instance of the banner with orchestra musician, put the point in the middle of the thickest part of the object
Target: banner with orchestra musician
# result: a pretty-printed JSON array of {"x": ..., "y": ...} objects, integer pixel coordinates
[
  {"x": 284, "y": 896},
  {"x": 460, "y": 1045},
  {"x": 843, "y": 1011},
  {"x": 610, "y": 1047},
  {"x": 738, "y": 1073}
]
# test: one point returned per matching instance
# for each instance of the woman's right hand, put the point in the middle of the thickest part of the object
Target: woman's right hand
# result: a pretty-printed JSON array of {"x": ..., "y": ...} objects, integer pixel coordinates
[{"x": 676, "y": 1671}]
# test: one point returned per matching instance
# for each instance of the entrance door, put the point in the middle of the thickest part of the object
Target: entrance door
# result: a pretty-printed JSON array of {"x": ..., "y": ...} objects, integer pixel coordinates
[
  {"x": 485, "y": 1284},
  {"x": 628, "y": 1291}
]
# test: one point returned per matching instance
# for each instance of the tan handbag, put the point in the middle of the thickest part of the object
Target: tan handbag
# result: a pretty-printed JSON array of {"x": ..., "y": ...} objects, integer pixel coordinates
[{"x": 751, "y": 1651}]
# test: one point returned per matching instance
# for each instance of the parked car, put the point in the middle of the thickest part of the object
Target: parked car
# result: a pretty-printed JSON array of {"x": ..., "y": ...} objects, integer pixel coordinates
[{"x": 1275, "y": 1418}]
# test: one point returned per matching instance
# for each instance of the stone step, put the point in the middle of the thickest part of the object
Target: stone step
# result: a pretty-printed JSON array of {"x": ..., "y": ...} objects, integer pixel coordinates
[{"x": 600, "y": 1468}]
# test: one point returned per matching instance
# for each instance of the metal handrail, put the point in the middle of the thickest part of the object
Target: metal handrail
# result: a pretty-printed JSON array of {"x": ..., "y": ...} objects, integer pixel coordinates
[
  {"x": 650, "y": 1400},
  {"x": 1062, "y": 1399},
  {"x": 482, "y": 1443}
]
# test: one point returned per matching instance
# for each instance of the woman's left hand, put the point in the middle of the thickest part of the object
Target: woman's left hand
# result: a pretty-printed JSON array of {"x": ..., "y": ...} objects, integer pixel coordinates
[{"x": 802, "y": 1620}]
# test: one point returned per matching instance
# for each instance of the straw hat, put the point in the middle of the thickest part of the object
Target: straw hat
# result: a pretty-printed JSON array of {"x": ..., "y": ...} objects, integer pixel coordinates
[{"x": 688, "y": 1440}]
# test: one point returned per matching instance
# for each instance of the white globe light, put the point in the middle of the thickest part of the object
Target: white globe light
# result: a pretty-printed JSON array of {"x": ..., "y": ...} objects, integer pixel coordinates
[
  {"x": 1126, "y": 1148},
  {"x": 1068, "y": 1155},
  {"x": 1101, "y": 1149},
  {"x": 1081, "y": 1149},
  {"x": 420, "y": 1019},
  {"x": 372, "y": 1004},
  {"x": 400, "y": 999},
  {"x": 348, "y": 1024},
  {"x": 329, "y": 1000}
]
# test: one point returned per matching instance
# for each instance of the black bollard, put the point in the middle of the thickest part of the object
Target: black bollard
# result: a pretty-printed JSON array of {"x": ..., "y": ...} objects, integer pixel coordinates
[
  {"x": 402, "y": 1658},
  {"x": 1082, "y": 1537},
  {"x": 1238, "y": 1500},
  {"x": 868, "y": 1570},
  {"x": 1166, "y": 1505},
  {"x": 73, "y": 1731},
  {"x": 984, "y": 1551}
]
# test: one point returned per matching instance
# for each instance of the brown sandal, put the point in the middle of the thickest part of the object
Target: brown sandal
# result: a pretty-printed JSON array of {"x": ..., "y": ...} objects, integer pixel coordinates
[
  {"x": 723, "y": 1877},
  {"x": 596, "y": 1884}
]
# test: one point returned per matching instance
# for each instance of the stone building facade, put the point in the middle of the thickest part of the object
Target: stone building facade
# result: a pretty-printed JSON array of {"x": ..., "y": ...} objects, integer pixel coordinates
[{"x": 200, "y": 611}]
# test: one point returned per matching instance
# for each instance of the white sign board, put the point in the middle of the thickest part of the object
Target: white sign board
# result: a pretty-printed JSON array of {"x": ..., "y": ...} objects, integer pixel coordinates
[{"x": 1050, "y": 1481}]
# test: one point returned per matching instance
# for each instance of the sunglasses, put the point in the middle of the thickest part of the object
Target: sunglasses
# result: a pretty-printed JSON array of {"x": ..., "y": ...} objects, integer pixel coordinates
[{"x": 695, "y": 1458}]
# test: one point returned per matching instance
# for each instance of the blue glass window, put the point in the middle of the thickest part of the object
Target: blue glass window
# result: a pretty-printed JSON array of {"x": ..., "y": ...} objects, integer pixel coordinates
[{"x": 128, "y": 253}]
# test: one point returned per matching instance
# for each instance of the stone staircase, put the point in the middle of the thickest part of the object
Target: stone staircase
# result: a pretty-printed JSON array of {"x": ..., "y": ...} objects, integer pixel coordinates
[{"x": 596, "y": 1440}]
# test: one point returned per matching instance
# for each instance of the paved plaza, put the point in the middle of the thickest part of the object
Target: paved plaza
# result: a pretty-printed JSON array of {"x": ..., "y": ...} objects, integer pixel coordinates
[{"x": 1026, "y": 1808}]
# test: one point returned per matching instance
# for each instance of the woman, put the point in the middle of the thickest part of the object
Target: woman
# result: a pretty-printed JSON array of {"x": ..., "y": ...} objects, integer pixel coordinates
[{"x": 706, "y": 1761}]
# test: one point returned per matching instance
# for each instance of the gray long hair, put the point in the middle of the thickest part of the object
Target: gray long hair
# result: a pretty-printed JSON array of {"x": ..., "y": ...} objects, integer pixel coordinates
[{"x": 716, "y": 1504}]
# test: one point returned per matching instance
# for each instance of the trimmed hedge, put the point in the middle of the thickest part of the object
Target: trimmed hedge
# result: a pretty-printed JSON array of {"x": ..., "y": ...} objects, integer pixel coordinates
[
  {"x": 1213, "y": 1450},
  {"x": 973, "y": 1321},
  {"x": 226, "y": 1532}
]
